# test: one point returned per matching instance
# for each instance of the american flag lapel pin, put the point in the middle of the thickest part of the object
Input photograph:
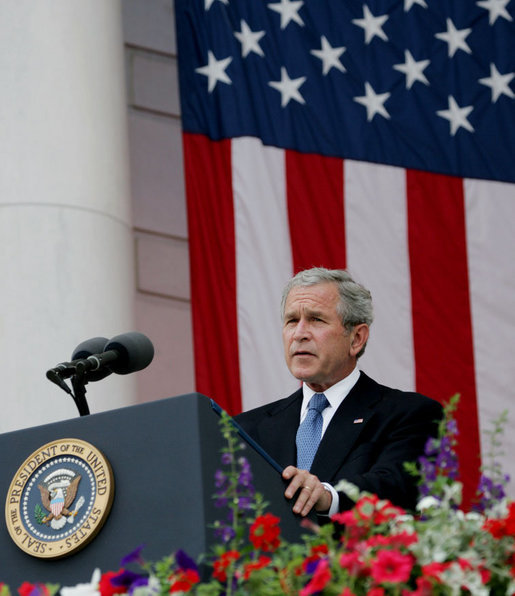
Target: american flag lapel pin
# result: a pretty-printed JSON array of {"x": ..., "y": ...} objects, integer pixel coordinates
[{"x": 358, "y": 421}]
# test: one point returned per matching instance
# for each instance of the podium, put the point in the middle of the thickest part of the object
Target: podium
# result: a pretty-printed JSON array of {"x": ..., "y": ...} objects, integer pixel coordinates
[{"x": 164, "y": 456}]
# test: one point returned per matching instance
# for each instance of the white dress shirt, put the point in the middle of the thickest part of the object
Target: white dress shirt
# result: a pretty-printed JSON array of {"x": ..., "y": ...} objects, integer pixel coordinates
[{"x": 335, "y": 396}]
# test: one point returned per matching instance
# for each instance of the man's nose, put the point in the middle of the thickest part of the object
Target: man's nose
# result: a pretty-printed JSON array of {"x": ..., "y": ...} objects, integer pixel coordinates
[{"x": 301, "y": 330}]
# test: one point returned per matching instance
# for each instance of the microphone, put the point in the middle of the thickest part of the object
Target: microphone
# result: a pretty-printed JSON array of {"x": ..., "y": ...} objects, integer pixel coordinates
[
  {"x": 88, "y": 348},
  {"x": 123, "y": 354},
  {"x": 64, "y": 370},
  {"x": 96, "y": 358}
]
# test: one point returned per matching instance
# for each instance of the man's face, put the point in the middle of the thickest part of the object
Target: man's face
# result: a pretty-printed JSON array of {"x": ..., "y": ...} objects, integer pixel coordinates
[{"x": 317, "y": 347}]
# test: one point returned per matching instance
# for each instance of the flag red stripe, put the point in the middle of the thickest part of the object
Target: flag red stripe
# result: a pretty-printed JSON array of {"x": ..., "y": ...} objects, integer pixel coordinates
[
  {"x": 213, "y": 269},
  {"x": 314, "y": 186},
  {"x": 442, "y": 328}
]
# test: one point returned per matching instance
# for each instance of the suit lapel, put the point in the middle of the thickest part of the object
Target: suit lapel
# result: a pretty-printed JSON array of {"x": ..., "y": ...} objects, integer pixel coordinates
[
  {"x": 345, "y": 427},
  {"x": 278, "y": 430}
]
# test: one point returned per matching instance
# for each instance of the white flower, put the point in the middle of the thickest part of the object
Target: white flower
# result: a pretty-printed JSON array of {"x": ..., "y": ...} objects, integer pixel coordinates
[
  {"x": 151, "y": 589},
  {"x": 427, "y": 503},
  {"x": 90, "y": 589},
  {"x": 351, "y": 490}
]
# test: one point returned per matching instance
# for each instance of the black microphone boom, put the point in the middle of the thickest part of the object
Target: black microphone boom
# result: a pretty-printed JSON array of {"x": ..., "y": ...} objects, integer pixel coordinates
[{"x": 65, "y": 370}]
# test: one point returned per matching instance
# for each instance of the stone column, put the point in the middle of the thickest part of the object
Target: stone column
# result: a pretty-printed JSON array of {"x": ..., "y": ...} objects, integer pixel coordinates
[{"x": 66, "y": 248}]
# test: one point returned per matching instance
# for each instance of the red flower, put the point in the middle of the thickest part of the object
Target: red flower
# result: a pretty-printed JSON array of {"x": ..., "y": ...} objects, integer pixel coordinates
[
  {"x": 424, "y": 588},
  {"x": 434, "y": 570},
  {"x": 391, "y": 566},
  {"x": 486, "y": 575},
  {"x": 106, "y": 588},
  {"x": 375, "y": 592},
  {"x": 28, "y": 589},
  {"x": 249, "y": 568},
  {"x": 502, "y": 527},
  {"x": 353, "y": 563},
  {"x": 183, "y": 580},
  {"x": 264, "y": 532},
  {"x": 222, "y": 563},
  {"x": 317, "y": 552},
  {"x": 347, "y": 592},
  {"x": 320, "y": 579},
  {"x": 345, "y": 518}
]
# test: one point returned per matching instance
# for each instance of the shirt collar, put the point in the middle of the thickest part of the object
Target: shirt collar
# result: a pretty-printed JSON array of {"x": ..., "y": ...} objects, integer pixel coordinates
[{"x": 335, "y": 394}]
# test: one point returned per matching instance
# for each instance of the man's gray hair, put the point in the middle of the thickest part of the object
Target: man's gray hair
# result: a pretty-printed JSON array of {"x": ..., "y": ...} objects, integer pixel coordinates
[{"x": 355, "y": 305}]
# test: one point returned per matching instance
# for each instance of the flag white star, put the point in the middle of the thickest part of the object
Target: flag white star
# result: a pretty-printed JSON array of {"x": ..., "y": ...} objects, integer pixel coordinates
[
  {"x": 288, "y": 88},
  {"x": 455, "y": 38},
  {"x": 412, "y": 69},
  {"x": 496, "y": 8},
  {"x": 374, "y": 102},
  {"x": 372, "y": 25},
  {"x": 214, "y": 70},
  {"x": 289, "y": 11},
  {"x": 498, "y": 83},
  {"x": 456, "y": 116},
  {"x": 208, "y": 3},
  {"x": 409, "y": 3},
  {"x": 330, "y": 56},
  {"x": 249, "y": 40}
]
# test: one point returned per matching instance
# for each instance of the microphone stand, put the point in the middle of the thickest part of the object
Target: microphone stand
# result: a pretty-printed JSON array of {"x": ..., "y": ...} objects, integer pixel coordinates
[{"x": 79, "y": 382}]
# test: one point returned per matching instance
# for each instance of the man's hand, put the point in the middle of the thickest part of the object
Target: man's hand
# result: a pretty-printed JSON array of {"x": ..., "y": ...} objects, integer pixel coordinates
[{"x": 311, "y": 491}]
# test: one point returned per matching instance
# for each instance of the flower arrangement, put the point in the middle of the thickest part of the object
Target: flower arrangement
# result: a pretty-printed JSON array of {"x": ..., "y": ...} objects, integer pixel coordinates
[{"x": 374, "y": 549}]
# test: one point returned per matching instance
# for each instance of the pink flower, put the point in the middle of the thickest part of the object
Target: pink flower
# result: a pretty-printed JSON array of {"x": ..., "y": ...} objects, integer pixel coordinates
[{"x": 391, "y": 566}]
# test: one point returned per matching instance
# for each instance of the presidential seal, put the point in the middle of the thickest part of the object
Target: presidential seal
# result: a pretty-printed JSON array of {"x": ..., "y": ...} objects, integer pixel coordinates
[{"x": 59, "y": 498}]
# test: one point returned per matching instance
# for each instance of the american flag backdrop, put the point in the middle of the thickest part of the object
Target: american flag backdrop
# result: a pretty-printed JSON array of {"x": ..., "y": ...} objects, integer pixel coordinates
[{"x": 377, "y": 137}]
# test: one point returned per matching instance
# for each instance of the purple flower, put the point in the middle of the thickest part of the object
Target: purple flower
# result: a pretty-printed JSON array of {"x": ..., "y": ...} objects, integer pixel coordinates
[
  {"x": 245, "y": 475},
  {"x": 427, "y": 469},
  {"x": 431, "y": 447},
  {"x": 133, "y": 557},
  {"x": 452, "y": 427},
  {"x": 221, "y": 502},
  {"x": 184, "y": 561},
  {"x": 224, "y": 533},
  {"x": 490, "y": 492},
  {"x": 227, "y": 458},
  {"x": 126, "y": 578},
  {"x": 245, "y": 502},
  {"x": 220, "y": 479}
]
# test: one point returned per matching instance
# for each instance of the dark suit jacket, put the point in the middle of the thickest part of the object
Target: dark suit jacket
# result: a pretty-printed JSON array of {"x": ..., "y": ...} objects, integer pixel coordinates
[{"x": 374, "y": 431}]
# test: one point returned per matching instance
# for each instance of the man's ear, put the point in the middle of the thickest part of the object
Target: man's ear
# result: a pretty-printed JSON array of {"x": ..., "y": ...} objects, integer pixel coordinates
[{"x": 359, "y": 338}]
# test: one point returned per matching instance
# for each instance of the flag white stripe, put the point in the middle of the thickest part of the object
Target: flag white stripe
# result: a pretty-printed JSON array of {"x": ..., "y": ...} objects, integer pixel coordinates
[
  {"x": 377, "y": 255},
  {"x": 490, "y": 213},
  {"x": 264, "y": 265}
]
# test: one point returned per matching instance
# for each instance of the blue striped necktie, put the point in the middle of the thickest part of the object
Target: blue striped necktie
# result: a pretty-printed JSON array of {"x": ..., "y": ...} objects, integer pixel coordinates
[{"x": 310, "y": 431}]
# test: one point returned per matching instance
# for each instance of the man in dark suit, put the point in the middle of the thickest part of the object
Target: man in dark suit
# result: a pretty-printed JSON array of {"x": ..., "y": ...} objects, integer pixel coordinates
[{"x": 366, "y": 430}]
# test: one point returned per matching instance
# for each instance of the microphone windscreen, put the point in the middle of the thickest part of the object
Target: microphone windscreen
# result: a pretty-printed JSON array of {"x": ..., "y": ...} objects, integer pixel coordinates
[
  {"x": 135, "y": 350},
  {"x": 95, "y": 345}
]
